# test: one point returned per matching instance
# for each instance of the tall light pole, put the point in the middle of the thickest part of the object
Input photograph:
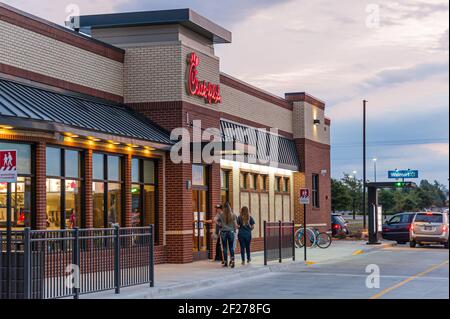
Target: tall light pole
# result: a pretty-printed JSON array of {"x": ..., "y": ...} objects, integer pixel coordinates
[
  {"x": 364, "y": 164},
  {"x": 375, "y": 169}
]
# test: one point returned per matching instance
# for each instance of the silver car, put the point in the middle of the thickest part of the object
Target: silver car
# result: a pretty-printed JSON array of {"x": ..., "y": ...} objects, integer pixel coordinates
[{"x": 428, "y": 228}]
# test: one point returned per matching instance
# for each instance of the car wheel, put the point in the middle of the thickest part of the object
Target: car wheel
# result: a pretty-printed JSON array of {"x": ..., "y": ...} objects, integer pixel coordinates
[
  {"x": 412, "y": 244},
  {"x": 446, "y": 245},
  {"x": 401, "y": 242}
]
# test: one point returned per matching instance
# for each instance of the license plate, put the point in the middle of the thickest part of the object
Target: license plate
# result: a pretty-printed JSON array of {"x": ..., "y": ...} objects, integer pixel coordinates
[{"x": 428, "y": 228}]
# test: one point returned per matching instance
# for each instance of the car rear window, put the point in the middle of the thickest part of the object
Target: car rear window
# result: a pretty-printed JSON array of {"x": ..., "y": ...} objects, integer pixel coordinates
[{"x": 429, "y": 218}]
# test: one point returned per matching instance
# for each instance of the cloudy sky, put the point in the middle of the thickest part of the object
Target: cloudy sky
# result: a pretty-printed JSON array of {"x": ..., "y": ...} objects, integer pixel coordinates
[{"x": 392, "y": 53}]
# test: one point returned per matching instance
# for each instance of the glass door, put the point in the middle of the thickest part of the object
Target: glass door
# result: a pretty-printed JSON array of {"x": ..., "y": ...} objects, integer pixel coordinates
[{"x": 199, "y": 207}]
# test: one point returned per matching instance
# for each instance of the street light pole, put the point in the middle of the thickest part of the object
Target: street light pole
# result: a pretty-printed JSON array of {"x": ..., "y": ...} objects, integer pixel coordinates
[
  {"x": 364, "y": 164},
  {"x": 375, "y": 170}
]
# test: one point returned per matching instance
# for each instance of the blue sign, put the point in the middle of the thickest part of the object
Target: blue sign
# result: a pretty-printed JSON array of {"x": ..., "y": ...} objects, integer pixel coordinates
[{"x": 403, "y": 174}]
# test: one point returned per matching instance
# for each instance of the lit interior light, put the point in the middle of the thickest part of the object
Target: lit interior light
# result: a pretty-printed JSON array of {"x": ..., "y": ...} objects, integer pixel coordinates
[
  {"x": 256, "y": 168},
  {"x": 94, "y": 139},
  {"x": 6, "y": 127}
]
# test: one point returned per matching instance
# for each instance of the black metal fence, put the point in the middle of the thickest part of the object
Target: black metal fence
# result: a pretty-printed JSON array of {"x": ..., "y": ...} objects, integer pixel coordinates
[
  {"x": 47, "y": 264},
  {"x": 278, "y": 241}
]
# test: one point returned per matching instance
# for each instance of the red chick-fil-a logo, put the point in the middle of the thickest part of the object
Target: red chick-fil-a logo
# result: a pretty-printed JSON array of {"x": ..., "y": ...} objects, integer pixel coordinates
[{"x": 207, "y": 90}]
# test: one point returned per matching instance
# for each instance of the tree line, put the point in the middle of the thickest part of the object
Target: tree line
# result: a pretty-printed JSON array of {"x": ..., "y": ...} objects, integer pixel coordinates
[{"x": 347, "y": 195}]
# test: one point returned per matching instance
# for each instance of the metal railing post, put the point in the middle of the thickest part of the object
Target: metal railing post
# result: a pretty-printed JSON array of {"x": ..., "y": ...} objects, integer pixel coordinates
[
  {"x": 117, "y": 258},
  {"x": 76, "y": 262},
  {"x": 293, "y": 240},
  {"x": 265, "y": 243},
  {"x": 27, "y": 264},
  {"x": 152, "y": 256},
  {"x": 279, "y": 240}
]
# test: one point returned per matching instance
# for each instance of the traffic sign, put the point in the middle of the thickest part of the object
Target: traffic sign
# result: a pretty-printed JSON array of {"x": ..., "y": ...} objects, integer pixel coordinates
[
  {"x": 404, "y": 173},
  {"x": 8, "y": 166},
  {"x": 304, "y": 196}
]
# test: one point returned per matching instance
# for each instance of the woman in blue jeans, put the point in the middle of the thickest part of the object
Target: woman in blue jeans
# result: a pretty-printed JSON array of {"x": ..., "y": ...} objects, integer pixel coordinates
[
  {"x": 246, "y": 224},
  {"x": 228, "y": 224}
]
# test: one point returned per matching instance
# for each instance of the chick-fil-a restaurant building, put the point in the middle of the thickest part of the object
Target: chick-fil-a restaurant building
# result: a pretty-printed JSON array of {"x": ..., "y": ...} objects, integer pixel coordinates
[{"x": 90, "y": 111}]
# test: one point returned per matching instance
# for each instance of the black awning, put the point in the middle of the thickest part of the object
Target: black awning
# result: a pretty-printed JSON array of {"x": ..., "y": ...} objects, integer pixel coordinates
[
  {"x": 276, "y": 149},
  {"x": 22, "y": 101}
]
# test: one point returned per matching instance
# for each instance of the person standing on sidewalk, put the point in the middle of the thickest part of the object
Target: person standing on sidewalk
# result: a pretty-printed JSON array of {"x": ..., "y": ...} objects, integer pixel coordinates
[
  {"x": 246, "y": 223},
  {"x": 228, "y": 221},
  {"x": 217, "y": 237}
]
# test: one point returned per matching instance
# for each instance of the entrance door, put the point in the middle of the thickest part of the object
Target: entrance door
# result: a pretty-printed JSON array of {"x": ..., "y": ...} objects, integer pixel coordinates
[{"x": 199, "y": 207}]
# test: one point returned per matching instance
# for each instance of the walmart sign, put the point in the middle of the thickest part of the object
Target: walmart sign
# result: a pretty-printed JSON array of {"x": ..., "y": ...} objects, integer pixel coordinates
[{"x": 403, "y": 174}]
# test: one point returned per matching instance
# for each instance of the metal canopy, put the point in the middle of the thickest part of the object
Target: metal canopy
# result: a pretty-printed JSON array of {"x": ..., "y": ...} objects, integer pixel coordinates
[
  {"x": 30, "y": 104},
  {"x": 185, "y": 17},
  {"x": 269, "y": 147}
]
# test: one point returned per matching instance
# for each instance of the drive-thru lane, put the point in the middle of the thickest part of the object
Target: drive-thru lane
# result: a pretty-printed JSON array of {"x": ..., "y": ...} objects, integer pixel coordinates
[{"x": 403, "y": 273}]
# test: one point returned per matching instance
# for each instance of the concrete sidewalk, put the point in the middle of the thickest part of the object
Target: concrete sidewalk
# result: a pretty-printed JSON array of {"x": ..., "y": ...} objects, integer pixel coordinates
[{"x": 171, "y": 279}]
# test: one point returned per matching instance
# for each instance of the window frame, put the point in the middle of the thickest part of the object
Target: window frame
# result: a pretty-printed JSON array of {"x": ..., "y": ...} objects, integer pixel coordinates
[
  {"x": 63, "y": 178},
  {"x": 31, "y": 176},
  {"x": 106, "y": 181},
  {"x": 315, "y": 191},
  {"x": 141, "y": 183},
  {"x": 226, "y": 173}
]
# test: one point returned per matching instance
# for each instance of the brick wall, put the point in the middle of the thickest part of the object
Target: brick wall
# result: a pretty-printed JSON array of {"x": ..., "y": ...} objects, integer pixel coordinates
[
  {"x": 35, "y": 52},
  {"x": 315, "y": 157}
]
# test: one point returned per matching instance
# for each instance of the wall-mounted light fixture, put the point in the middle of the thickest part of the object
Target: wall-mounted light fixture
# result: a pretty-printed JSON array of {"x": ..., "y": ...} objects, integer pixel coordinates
[{"x": 316, "y": 122}]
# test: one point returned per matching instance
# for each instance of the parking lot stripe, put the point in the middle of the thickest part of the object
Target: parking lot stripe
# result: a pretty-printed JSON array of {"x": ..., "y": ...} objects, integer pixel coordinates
[{"x": 420, "y": 274}]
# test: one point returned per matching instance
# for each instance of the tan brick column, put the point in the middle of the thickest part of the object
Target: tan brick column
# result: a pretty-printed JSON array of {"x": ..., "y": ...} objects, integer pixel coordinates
[{"x": 299, "y": 182}]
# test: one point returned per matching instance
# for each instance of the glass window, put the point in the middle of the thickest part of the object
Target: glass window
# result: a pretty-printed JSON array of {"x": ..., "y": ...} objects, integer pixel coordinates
[
  {"x": 429, "y": 218},
  {"x": 150, "y": 205},
  {"x": 114, "y": 203},
  {"x": 198, "y": 175},
  {"x": 224, "y": 180},
  {"x": 315, "y": 191},
  {"x": 149, "y": 172},
  {"x": 98, "y": 192},
  {"x": 264, "y": 182},
  {"x": 278, "y": 184},
  {"x": 53, "y": 203},
  {"x": 143, "y": 193},
  {"x": 253, "y": 181},
  {"x": 107, "y": 211},
  {"x": 135, "y": 170},
  {"x": 72, "y": 163},
  {"x": 63, "y": 195},
  {"x": 23, "y": 156},
  {"x": 20, "y": 203},
  {"x": 286, "y": 184},
  {"x": 136, "y": 205},
  {"x": 98, "y": 166},
  {"x": 244, "y": 180},
  {"x": 53, "y": 161},
  {"x": 73, "y": 204},
  {"x": 113, "y": 168}
]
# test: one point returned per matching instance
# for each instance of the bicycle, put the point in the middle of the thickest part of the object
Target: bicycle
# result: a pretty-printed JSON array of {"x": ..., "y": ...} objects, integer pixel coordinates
[
  {"x": 310, "y": 237},
  {"x": 323, "y": 240},
  {"x": 314, "y": 237}
]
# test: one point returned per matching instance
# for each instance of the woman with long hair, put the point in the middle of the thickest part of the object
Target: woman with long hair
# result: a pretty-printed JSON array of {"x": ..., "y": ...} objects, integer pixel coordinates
[
  {"x": 228, "y": 227},
  {"x": 246, "y": 224}
]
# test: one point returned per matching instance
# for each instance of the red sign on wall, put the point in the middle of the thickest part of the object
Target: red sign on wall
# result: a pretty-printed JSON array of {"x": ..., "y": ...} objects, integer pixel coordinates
[
  {"x": 207, "y": 90},
  {"x": 8, "y": 166}
]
